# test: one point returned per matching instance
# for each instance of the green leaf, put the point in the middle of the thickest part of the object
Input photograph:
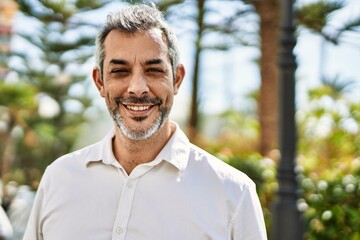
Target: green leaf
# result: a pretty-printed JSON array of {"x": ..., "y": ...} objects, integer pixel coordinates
[{"x": 17, "y": 96}]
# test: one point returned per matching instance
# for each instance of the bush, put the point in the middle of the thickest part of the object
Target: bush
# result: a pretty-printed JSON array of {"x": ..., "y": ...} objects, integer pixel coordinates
[{"x": 333, "y": 205}]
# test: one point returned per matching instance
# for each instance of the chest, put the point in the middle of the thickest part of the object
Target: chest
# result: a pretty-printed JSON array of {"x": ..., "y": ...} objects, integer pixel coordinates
[{"x": 109, "y": 206}]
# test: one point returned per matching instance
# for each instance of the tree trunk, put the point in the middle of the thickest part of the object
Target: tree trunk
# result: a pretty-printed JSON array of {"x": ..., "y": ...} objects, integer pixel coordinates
[
  {"x": 194, "y": 113},
  {"x": 268, "y": 12}
]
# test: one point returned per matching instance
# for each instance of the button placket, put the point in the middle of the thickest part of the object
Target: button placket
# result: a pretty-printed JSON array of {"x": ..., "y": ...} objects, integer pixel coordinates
[
  {"x": 126, "y": 201},
  {"x": 129, "y": 184},
  {"x": 124, "y": 209},
  {"x": 119, "y": 230}
]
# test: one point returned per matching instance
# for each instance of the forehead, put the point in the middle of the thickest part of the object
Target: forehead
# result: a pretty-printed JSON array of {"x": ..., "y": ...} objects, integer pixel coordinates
[{"x": 137, "y": 45}]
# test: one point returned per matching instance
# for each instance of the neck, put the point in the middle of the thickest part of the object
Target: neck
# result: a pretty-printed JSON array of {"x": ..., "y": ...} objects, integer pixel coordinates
[{"x": 130, "y": 153}]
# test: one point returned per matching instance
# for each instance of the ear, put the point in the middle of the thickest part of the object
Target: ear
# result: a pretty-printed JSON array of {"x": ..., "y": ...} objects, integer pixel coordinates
[
  {"x": 96, "y": 74},
  {"x": 179, "y": 77}
]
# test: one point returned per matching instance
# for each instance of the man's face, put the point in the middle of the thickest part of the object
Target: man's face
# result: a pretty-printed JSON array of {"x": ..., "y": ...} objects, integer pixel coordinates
[{"x": 137, "y": 81}]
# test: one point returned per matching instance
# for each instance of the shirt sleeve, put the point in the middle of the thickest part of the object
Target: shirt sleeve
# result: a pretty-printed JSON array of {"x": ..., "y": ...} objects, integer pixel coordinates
[
  {"x": 33, "y": 228},
  {"x": 6, "y": 230},
  {"x": 248, "y": 222}
]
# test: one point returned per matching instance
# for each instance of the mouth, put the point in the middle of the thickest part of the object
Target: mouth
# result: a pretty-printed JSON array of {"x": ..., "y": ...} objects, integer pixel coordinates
[
  {"x": 138, "y": 108},
  {"x": 139, "y": 111}
]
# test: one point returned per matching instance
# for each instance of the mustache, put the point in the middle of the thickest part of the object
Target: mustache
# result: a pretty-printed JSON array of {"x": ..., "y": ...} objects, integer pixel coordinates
[{"x": 138, "y": 100}]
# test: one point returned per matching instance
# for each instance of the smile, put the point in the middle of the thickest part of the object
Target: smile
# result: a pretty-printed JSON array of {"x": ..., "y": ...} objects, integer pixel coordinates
[{"x": 138, "y": 108}]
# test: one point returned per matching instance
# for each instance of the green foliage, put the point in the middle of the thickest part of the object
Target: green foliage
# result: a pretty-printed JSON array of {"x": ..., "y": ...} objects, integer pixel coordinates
[
  {"x": 18, "y": 102},
  {"x": 165, "y": 5},
  {"x": 315, "y": 15},
  {"x": 333, "y": 204},
  {"x": 331, "y": 87},
  {"x": 49, "y": 11},
  {"x": 329, "y": 126},
  {"x": 331, "y": 200},
  {"x": 330, "y": 157},
  {"x": 17, "y": 96}
]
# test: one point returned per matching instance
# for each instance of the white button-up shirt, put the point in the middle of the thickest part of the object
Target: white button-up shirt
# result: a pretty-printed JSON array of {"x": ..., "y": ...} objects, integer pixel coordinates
[{"x": 183, "y": 194}]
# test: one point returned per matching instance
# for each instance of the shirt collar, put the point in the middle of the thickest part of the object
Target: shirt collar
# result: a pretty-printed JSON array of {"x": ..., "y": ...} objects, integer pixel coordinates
[
  {"x": 102, "y": 151},
  {"x": 176, "y": 151}
]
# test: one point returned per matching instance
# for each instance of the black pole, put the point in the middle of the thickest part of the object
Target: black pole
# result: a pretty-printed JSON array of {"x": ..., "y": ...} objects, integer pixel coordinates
[{"x": 287, "y": 220}]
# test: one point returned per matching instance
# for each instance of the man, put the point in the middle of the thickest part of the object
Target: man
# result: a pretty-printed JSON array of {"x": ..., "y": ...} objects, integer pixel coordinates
[{"x": 144, "y": 180}]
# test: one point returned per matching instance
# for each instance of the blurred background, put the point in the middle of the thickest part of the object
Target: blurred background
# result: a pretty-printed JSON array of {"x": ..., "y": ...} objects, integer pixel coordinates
[{"x": 228, "y": 103}]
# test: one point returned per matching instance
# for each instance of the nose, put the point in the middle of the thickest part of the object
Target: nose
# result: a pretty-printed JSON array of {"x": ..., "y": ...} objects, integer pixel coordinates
[{"x": 138, "y": 85}]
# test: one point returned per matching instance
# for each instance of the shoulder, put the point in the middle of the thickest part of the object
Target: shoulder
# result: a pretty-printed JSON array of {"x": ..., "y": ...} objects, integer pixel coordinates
[
  {"x": 66, "y": 169},
  {"x": 221, "y": 181},
  {"x": 209, "y": 166},
  {"x": 80, "y": 156},
  {"x": 74, "y": 161}
]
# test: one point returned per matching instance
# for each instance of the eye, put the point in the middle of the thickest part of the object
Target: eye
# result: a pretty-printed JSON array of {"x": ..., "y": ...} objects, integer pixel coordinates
[
  {"x": 154, "y": 70},
  {"x": 119, "y": 70}
]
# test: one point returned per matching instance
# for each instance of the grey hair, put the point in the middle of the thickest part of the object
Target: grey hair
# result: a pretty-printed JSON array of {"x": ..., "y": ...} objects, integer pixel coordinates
[{"x": 133, "y": 18}]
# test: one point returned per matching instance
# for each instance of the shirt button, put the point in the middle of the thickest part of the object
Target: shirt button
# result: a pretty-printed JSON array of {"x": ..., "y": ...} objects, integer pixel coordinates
[
  {"x": 130, "y": 185},
  {"x": 119, "y": 230}
]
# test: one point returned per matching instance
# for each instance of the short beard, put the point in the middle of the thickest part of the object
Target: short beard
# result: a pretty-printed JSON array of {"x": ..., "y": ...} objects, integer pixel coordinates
[{"x": 139, "y": 133}]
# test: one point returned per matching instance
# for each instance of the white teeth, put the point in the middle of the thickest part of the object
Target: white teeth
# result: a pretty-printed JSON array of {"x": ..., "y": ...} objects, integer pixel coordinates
[{"x": 138, "y": 108}]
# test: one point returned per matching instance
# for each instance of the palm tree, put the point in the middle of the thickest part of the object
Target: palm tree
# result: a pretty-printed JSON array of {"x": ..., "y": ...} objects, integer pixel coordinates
[{"x": 269, "y": 17}]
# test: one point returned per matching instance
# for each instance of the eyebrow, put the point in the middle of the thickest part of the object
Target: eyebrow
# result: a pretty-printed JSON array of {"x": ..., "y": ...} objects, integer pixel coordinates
[
  {"x": 119, "y": 62},
  {"x": 124, "y": 62},
  {"x": 153, "y": 61}
]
